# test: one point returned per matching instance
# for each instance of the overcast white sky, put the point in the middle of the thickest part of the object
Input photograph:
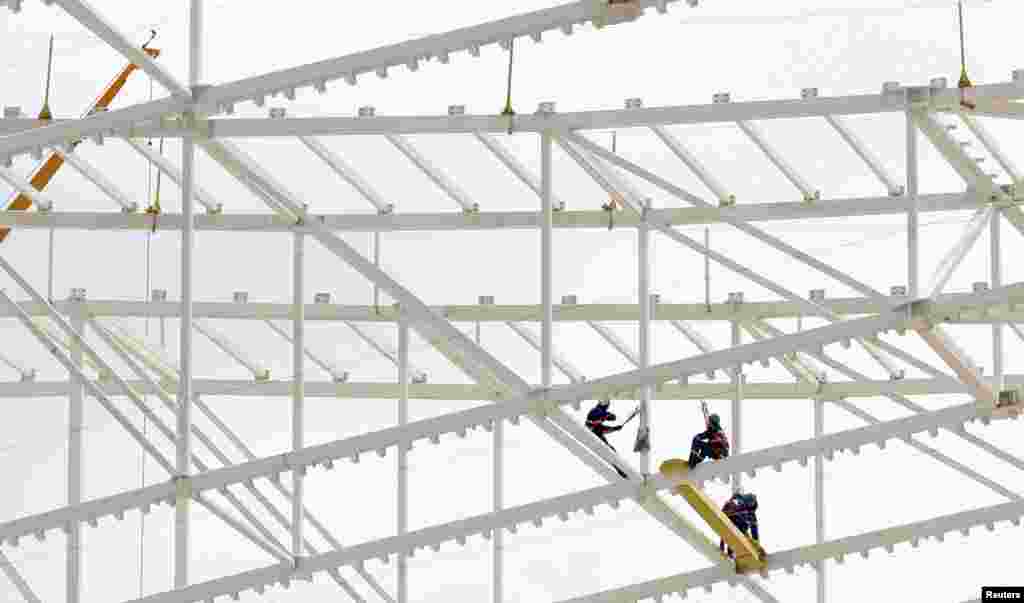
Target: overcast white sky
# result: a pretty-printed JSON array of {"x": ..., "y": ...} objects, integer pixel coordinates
[{"x": 754, "y": 50}]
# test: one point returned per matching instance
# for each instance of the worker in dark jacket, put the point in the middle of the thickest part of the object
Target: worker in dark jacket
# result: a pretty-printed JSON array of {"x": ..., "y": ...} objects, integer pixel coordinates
[
  {"x": 741, "y": 510},
  {"x": 597, "y": 422},
  {"x": 712, "y": 443}
]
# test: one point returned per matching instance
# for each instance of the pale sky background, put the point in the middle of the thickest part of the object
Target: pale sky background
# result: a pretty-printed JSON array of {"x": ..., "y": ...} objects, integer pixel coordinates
[{"x": 753, "y": 50}]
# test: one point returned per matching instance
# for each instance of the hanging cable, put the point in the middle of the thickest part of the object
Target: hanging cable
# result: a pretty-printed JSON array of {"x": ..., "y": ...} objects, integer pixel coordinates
[
  {"x": 154, "y": 210},
  {"x": 508, "y": 111},
  {"x": 965, "y": 82},
  {"x": 613, "y": 202},
  {"x": 44, "y": 113}
]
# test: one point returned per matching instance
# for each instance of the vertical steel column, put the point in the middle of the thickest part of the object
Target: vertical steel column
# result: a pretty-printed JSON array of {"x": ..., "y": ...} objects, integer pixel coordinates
[
  {"x": 707, "y": 269},
  {"x": 737, "y": 411},
  {"x": 76, "y": 397},
  {"x": 644, "y": 296},
  {"x": 996, "y": 258},
  {"x": 498, "y": 502},
  {"x": 182, "y": 545},
  {"x": 376, "y": 262},
  {"x": 819, "y": 497},
  {"x": 545, "y": 261},
  {"x": 912, "y": 210},
  {"x": 49, "y": 271},
  {"x": 403, "y": 461},
  {"x": 299, "y": 391}
]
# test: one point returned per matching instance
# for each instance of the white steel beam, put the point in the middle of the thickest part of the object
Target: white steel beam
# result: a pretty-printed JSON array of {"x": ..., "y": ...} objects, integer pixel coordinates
[
  {"x": 959, "y": 251},
  {"x": 869, "y": 158},
  {"x": 416, "y": 375},
  {"x": 66, "y": 342},
  {"x": 340, "y": 167},
  {"x": 298, "y": 395},
  {"x": 860, "y": 104},
  {"x": 269, "y": 543},
  {"x": 516, "y": 167},
  {"x": 402, "y": 503},
  {"x": 727, "y": 216},
  {"x": 259, "y": 372},
  {"x": 108, "y": 188},
  {"x": 17, "y": 581},
  {"x": 566, "y": 367},
  {"x": 42, "y": 201},
  {"x": 517, "y": 406},
  {"x": 125, "y": 423},
  {"x": 123, "y": 122},
  {"x": 863, "y": 544},
  {"x": 269, "y": 390},
  {"x": 508, "y": 220},
  {"x": 76, "y": 400},
  {"x": 171, "y": 171},
  {"x": 108, "y": 32},
  {"x": 898, "y": 396},
  {"x": 695, "y": 337},
  {"x": 616, "y": 342},
  {"x": 913, "y": 168},
  {"x": 408, "y": 53},
  {"x": 611, "y": 494},
  {"x": 821, "y": 582},
  {"x": 754, "y": 133},
  {"x": 871, "y": 420},
  {"x": 958, "y": 361},
  {"x": 338, "y": 375},
  {"x": 183, "y": 436},
  {"x": 434, "y": 173},
  {"x": 151, "y": 357},
  {"x": 794, "y": 363},
  {"x": 962, "y": 308},
  {"x": 696, "y": 166},
  {"x": 953, "y": 153},
  {"x": 935, "y": 454},
  {"x": 103, "y": 123},
  {"x": 644, "y": 331},
  {"x": 982, "y": 134}
]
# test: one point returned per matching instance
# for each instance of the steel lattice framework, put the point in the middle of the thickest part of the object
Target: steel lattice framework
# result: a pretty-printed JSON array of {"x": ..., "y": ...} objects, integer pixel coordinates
[{"x": 191, "y": 114}]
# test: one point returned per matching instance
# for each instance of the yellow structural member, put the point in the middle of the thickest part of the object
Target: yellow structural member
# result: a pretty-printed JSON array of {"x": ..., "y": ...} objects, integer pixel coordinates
[{"x": 750, "y": 557}]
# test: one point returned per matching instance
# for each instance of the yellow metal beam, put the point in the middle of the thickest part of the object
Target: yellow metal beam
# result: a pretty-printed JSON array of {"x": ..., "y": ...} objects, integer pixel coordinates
[{"x": 750, "y": 557}]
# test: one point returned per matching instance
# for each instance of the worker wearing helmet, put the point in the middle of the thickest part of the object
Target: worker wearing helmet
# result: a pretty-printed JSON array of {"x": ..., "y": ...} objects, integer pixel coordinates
[
  {"x": 597, "y": 422},
  {"x": 712, "y": 443},
  {"x": 741, "y": 510}
]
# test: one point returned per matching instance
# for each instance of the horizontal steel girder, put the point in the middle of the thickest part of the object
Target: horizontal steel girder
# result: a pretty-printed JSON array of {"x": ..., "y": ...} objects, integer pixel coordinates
[
  {"x": 614, "y": 494},
  {"x": 460, "y": 422},
  {"x": 510, "y": 220},
  {"x": 954, "y": 308},
  {"x": 837, "y": 550},
  {"x": 861, "y": 104},
  {"x": 457, "y": 391}
]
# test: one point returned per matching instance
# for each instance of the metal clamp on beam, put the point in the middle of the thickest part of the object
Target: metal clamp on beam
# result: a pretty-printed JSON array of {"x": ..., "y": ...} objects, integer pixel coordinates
[{"x": 182, "y": 487}]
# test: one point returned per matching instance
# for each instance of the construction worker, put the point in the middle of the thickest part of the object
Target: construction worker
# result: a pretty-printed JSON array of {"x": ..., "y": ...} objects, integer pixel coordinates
[
  {"x": 597, "y": 423},
  {"x": 712, "y": 443},
  {"x": 741, "y": 510}
]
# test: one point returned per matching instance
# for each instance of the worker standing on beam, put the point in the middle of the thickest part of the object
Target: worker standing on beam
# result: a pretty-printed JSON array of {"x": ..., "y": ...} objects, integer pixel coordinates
[
  {"x": 741, "y": 510},
  {"x": 712, "y": 443},
  {"x": 597, "y": 422}
]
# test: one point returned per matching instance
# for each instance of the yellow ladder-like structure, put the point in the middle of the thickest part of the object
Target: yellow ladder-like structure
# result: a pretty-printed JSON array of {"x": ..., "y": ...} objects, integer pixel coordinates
[{"x": 750, "y": 557}]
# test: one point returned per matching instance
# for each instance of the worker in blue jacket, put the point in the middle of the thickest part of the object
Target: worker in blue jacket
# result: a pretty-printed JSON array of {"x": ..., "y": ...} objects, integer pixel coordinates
[
  {"x": 712, "y": 443},
  {"x": 597, "y": 422},
  {"x": 741, "y": 510}
]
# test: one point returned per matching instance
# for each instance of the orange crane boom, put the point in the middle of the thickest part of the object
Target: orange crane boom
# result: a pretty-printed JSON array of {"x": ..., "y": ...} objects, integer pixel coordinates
[{"x": 48, "y": 169}]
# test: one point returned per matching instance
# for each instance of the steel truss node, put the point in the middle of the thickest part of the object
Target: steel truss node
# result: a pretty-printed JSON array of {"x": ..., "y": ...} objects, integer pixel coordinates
[{"x": 81, "y": 333}]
